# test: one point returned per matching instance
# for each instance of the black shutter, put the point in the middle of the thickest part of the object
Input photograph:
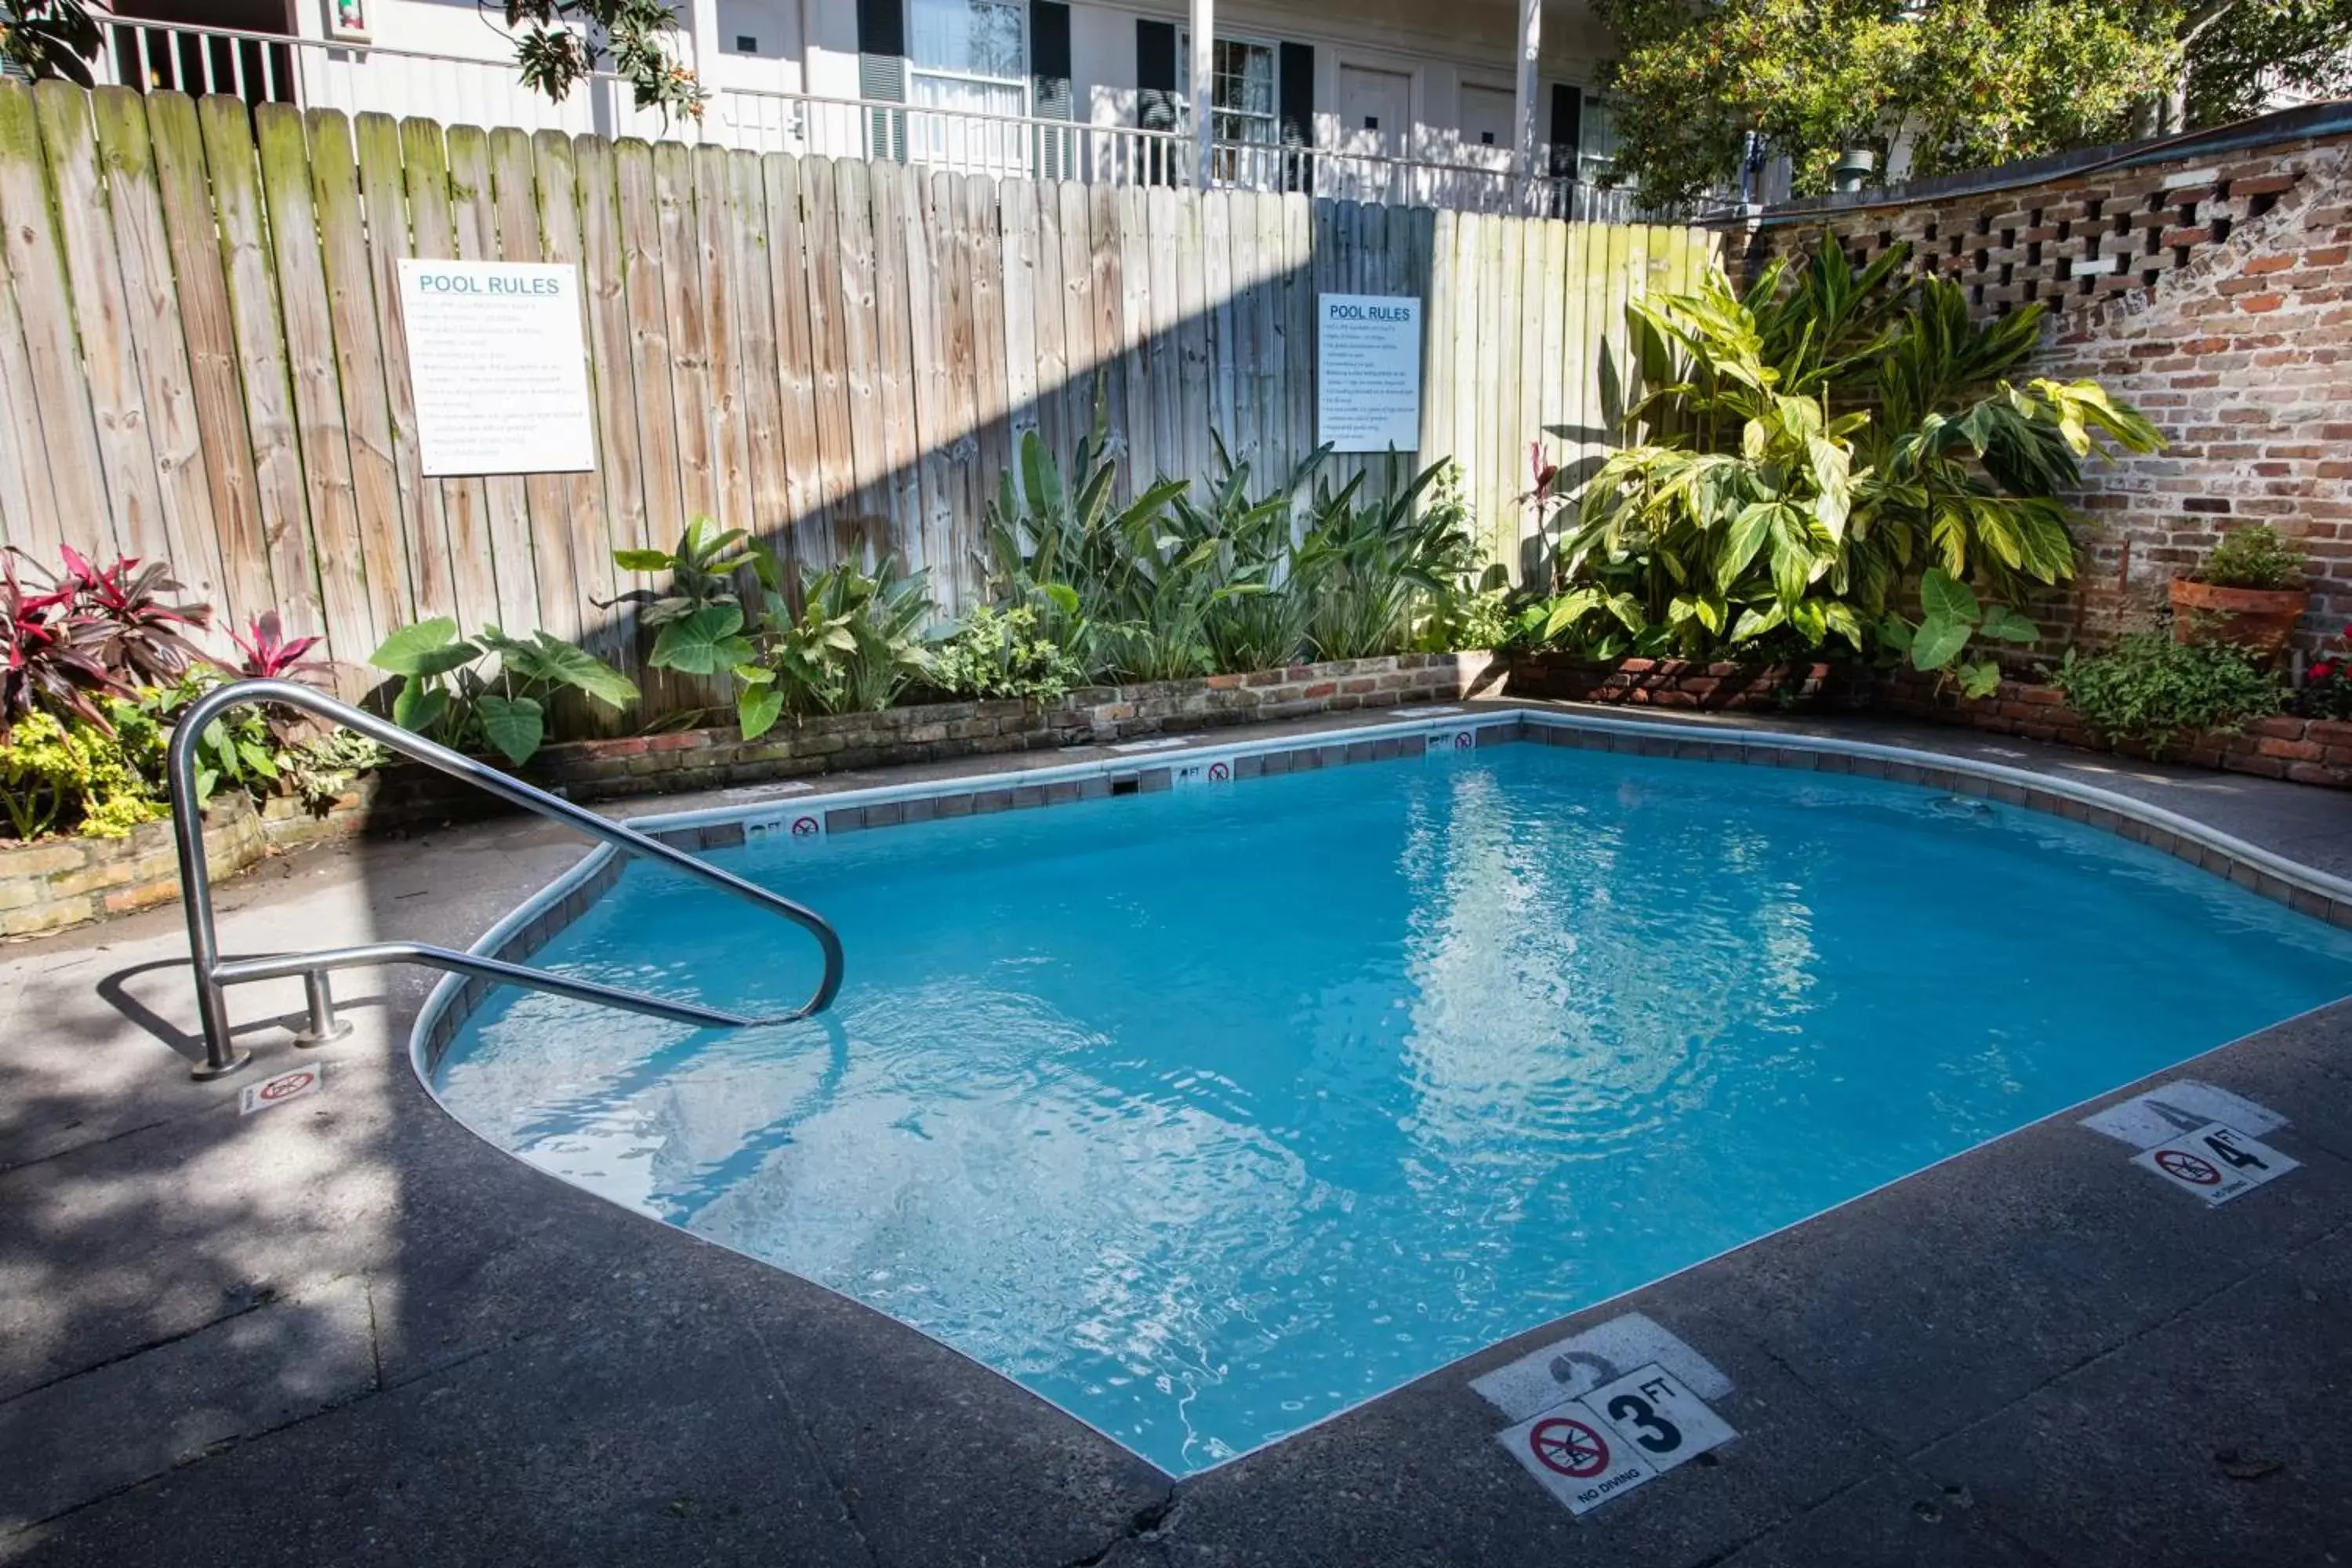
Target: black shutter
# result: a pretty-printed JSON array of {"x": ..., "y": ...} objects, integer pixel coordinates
[
  {"x": 1049, "y": 83},
  {"x": 1567, "y": 129},
  {"x": 1155, "y": 97},
  {"x": 1294, "y": 110},
  {"x": 882, "y": 73}
]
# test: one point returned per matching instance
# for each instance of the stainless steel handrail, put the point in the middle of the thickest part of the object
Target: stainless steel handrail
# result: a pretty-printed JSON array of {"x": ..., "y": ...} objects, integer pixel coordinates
[{"x": 213, "y": 975}]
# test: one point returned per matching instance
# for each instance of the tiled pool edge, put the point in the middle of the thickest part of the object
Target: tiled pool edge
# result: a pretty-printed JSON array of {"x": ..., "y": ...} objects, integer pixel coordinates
[{"x": 554, "y": 908}]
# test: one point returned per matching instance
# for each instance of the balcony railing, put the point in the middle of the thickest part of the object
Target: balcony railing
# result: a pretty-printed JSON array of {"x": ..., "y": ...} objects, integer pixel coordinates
[{"x": 263, "y": 68}]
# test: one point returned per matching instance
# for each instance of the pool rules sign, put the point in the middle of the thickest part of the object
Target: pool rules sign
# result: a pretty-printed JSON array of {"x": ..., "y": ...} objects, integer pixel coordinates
[
  {"x": 1368, "y": 372},
  {"x": 497, "y": 366}
]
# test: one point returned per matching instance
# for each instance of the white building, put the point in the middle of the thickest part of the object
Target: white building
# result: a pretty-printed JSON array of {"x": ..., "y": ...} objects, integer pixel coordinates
[{"x": 1487, "y": 104}]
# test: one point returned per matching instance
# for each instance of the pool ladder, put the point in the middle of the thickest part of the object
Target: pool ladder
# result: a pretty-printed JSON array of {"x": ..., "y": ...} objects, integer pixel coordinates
[{"x": 215, "y": 974}]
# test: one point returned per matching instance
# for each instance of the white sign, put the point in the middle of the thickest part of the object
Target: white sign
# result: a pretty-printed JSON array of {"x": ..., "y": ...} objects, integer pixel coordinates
[
  {"x": 278, "y": 1091},
  {"x": 1598, "y": 1356},
  {"x": 2184, "y": 1105},
  {"x": 1207, "y": 770},
  {"x": 1631, "y": 1430},
  {"x": 1655, "y": 1414},
  {"x": 2216, "y": 1162},
  {"x": 1368, "y": 372},
  {"x": 497, "y": 366}
]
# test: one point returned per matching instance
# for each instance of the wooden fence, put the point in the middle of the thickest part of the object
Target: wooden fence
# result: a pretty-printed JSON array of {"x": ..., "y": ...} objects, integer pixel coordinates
[{"x": 201, "y": 356}]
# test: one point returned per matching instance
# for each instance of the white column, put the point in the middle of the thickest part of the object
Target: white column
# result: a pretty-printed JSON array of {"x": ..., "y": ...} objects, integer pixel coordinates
[
  {"x": 1523, "y": 155},
  {"x": 1205, "y": 38},
  {"x": 703, "y": 19}
]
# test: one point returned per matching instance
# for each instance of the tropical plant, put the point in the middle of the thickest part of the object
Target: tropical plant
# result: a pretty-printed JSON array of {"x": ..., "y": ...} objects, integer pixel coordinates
[
  {"x": 1950, "y": 623},
  {"x": 240, "y": 747},
  {"x": 703, "y": 571},
  {"x": 1808, "y": 449},
  {"x": 1370, "y": 567},
  {"x": 269, "y": 654},
  {"x": 1227, "y": 565},
  {"x": 856, "y": 643},
  {"x": 316, "y": 772},
  {"x": 128, "y": 626},
  {"x": 2252, "y": 556},
  {"x": 61, "y": 775},
  {"x": 490, "y": 689},
  {"x": 996, "y": 653},
  {"x": 2150, "y": 687}
]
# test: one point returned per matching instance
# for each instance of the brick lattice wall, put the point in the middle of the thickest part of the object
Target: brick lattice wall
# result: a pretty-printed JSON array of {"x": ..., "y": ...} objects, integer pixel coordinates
[{"x": 2214, "y": 292}]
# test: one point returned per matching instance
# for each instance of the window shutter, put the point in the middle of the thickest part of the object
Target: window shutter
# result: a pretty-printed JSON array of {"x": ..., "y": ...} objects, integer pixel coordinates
[
  {"x": 1294, "y": 110},
  {"x": 882, "y": 74},
  {"x": 1155, "y": 95},
  {"x": 1049, "y": 70}
]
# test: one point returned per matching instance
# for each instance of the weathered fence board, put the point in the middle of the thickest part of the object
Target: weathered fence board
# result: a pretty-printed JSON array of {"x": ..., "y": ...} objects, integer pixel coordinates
[{"x": 202, "y": 354}]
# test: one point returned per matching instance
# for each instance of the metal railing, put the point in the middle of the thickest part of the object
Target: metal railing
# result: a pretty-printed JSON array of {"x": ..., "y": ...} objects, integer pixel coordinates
[
  {"x": 368, "y": 77},
  {"x": 215, "y": 974}
]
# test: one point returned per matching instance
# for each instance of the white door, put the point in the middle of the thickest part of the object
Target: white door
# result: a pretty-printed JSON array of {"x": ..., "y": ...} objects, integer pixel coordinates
[
  {"x": 1489, "y": 131},
  {"x": 1375, "y": 117}
]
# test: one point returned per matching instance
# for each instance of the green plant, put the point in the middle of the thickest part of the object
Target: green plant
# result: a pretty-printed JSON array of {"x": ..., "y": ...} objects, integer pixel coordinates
[
  {"x": 241, "y": 746},
  {"x": 490, "y": 687},
  {"x": 2252, "y": 556},
  {"x": 2147, "y": 687},
  {"x": 1001, "y": 653},
  {"x": 60, "y": 776},
  {"x": 1808, "y": 449},
  {"x": 49, "y": 38},
  {"x": 316, "y": 772},
  {"x": 703, "y": 569},
  {"x": 1370, "y": 568},
  {"x": 855, "y": 644},
  {"x": 2327, "y": 690},
  {"x": 91, "y": 633},
  {"x": 1951, "y": 620}
]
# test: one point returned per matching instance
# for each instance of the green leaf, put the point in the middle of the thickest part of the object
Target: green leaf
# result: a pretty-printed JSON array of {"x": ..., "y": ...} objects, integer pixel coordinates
[
  {"x": 703, "y": 643},
  {"x": 1945, "y": 598},
  {"x": 1896, "y": 632},
  {"x": 553, "y": 659},
  {"x": 420, "y": 705},
  {"x": 1979, "y": 679},
  {"x": 1938, "y": 642},
  {"x": 642, "y": 560},
  {"x": 514, "y": 725},
  {"x": 2005, "y": 625},
  {"x": 757, "y": 709},
  {"x": 407, "y": 650}
]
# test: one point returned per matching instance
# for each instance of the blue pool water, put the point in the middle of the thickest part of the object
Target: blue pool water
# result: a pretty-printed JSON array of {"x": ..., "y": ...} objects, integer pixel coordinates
[{"x": 1207, "y": 1114}]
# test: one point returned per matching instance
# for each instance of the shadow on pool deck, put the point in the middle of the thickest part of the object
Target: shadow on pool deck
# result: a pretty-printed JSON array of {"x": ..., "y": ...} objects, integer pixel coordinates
[{"x": 346, "y": 1331}]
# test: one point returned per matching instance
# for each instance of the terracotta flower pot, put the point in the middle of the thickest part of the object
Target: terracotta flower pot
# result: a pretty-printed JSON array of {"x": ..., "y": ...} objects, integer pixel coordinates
[{"x": 2260, "y": 620}]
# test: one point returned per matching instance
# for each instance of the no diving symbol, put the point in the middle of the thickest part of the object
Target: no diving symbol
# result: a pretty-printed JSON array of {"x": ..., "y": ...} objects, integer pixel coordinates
[
  {"x": 1571, "y": 1447},
  {"x": 804, "y": 827},
  {"x": 1464, "y": 740},
  {"x": 1220, "y": 772},
  {"x": 293, "y": 1083},
  {"x": 2189, "y": 1168}
]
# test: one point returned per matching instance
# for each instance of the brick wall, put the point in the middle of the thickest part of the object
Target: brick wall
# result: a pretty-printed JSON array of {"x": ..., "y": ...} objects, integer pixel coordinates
[{"x": 2213, "y": 290}]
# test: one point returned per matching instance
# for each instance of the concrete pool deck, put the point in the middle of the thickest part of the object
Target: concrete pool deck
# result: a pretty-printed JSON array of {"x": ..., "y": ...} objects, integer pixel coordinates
[{"x": 347, "y": 1331}]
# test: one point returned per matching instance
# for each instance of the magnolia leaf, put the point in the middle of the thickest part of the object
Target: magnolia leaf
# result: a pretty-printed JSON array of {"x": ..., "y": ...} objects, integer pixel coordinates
[
  {"x": 1938, "y": 642},
  {"x": 515, "y": 725},
  {"x": 757, "y": 709}
]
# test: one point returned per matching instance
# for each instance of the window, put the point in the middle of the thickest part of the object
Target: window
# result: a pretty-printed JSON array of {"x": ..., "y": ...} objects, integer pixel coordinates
[
  {"x": 1241, "y": 104},
  {"x": 1596, "y": 152},
  {"x": 968, "y": 57}
]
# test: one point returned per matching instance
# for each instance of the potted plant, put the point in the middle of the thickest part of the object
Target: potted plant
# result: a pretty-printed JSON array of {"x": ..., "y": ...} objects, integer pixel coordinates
[{"x": 2249, "y": 592}]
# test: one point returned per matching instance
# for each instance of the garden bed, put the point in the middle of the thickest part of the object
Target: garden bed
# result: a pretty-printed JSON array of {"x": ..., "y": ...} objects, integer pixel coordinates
[
  {"x": 2301, "y": 751},
  {"x": 1690, "y": 683}
]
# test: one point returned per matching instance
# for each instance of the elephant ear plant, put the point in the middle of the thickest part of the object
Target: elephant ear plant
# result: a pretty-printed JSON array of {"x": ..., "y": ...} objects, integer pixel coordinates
[{"x": 490, "y": 689}]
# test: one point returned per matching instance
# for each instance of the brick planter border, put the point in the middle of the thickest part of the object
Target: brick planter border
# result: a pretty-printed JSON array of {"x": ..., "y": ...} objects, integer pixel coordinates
[
  {"x": 1687, "y": 683},
  {"x": 2301, "y": 751}
]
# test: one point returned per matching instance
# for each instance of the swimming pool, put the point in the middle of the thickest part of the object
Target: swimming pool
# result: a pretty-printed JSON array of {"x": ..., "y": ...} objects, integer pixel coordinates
[{"x": 1210, "y": 1112}]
